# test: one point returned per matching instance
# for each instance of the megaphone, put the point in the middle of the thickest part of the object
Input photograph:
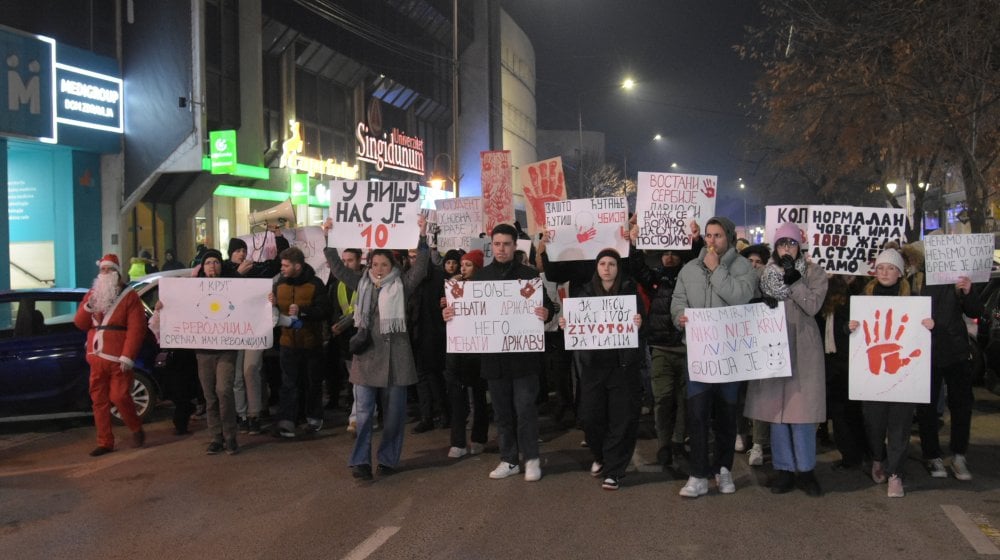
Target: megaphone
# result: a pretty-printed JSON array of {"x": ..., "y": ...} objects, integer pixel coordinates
[{"x": 281, "y": 214}]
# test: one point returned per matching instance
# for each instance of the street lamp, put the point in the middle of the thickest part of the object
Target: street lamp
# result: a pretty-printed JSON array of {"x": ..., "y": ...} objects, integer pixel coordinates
[
  {"x": 627, "y": 84},
  {"x": 437, "y": 179}
]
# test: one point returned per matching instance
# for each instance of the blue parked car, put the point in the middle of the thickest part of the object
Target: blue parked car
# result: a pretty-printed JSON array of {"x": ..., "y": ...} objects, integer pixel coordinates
[{"x": 43, "y": 367}]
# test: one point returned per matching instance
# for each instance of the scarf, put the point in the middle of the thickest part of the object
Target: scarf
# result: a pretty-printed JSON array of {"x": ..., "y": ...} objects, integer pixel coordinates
[
  {"x": 772, "y": 281},
  {"x": 829, "y": 346},
  {"x": 391, "y": 305}
]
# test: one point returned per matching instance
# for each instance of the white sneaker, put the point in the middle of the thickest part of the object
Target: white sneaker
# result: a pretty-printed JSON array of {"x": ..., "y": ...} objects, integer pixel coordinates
[
  {"x": 936, "y": 468},
  {"x": 725, "y": 481},
  {"x": 457, "y": 452},
  {"x": 476, "y": 448},
  {"x": 895, "y": 487},
  {"x": 596, "y": 469},
  {"x": 532, "y": 470},
  {"x": 755, "y": 457},
  {"x": 959, "y": 467},
  {"x": 695, "y": 487},
  {"x": 740, "y": 445},
  {"x": 504, "y": 469}
]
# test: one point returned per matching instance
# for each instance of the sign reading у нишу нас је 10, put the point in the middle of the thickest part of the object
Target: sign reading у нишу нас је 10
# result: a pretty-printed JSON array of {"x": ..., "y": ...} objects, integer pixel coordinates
[{"x": 42, "y": 92}]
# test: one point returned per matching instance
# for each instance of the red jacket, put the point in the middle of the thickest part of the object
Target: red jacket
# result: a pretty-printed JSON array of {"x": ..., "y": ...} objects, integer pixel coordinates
[{"x": 121, "y": 335}]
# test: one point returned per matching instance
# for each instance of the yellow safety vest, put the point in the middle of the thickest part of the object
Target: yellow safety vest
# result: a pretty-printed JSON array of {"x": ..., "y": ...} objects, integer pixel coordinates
[{"x": 347, "y": 307}]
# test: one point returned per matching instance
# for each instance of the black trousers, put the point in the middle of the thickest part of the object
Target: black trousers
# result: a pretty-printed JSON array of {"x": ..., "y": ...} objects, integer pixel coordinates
[
  {"x": 718, "y": 403},
  {"x": 610, "y": 405},
  {"x": 959, "y": 379}
]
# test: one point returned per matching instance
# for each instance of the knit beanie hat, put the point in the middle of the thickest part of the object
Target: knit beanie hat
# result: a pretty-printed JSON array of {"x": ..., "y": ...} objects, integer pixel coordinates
[
  {"x": 788, "y": 230},
  {"x": 475, "y": 257},
  {"x": 235, "y": 244},
  {"x": 211, "y": 254},
  {"x": 453, "y": 255},
  {"x": 891, "y": 256}
]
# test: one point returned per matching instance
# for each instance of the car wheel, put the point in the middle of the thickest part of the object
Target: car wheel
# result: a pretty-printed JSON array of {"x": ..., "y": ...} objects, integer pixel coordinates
[{"x": 144, "y": 395}]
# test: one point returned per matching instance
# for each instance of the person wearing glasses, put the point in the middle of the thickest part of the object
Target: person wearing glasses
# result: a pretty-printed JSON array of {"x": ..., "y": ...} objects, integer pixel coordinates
[{"x": 793, "y": 405}]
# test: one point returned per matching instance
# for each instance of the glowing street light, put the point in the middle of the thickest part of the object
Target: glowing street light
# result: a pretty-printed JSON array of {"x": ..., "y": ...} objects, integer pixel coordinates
[
  {"x": 629, "y": 83},
  {"x": 658, "y": 137}
]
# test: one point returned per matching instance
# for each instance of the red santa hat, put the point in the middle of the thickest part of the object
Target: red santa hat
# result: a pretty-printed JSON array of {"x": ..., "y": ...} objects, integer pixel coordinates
[{"x": 110, "y": 259}]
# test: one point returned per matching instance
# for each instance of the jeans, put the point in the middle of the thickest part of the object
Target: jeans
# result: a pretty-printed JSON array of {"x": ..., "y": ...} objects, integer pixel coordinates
[
  {"x": 298, "y": 365},
  {"x": 247, "y": 384},
  {"x": 216, "y": 370},
  {"x": 516, "y": 416},
  {"x": 703, "y": 399},
  {"x": 889, "y": 421},
  {"x": 610, "y": 404},
  {"x": 669, "y": 380},
  {"x": 394, "y": 417},
  {"x": 960, "y": 400},
  {"x": 793, "y": 447}
]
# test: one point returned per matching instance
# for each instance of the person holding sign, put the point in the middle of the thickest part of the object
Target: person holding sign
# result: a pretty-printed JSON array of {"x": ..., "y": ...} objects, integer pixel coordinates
[
  {"x": 513, "y": 376},
  {"x": 610, "y": 382},
  {"x": 383, "y": 356},
  {"x": 462, "y": 375},
  {"x": 719, "y": 277},
  {"x": 217, "y": 372},
  {"x": 889, "y": 421},
  {"x": 793, "y": 405},
  {"x": 949, "y": 364},
  {"x": 669, "y": 355}
]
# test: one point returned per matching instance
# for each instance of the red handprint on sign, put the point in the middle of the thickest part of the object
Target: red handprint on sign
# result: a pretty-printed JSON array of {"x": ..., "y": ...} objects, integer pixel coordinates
[
  {"x": 457, "y": 289},
  {"x": 885, "y": 356},
  {"x": 584, "y": 235},
  {"x": 529, "y": 288},
  {"x": 547, "y": 185},
  {"x": 709, "y": 188}
]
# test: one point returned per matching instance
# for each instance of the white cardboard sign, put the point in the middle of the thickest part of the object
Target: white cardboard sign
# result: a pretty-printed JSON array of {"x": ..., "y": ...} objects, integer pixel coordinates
[
  {"x": 580, "y": 229},
  {"x": 666, "y": 204},
  {"x": 461, "y": 222},
  {"x": 847, "y": 239},
  {"x": 374, "y": 214},
  {"x": 600, "y": 323},
  {"x": 495, "y": 316},
  {"x": 890, "y": 357},
  {"x": 216, "y": 313},
  {"x": 737, "y": 343},
  {"x": 947, "y": 257}
]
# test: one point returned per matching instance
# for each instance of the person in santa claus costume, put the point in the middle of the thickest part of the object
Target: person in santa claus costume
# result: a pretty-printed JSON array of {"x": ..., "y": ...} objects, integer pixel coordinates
[{"x": 116, "y": 325}]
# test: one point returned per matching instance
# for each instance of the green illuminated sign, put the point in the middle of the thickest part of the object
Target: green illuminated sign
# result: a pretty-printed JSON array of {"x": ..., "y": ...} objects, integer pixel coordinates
[
  {"x": 300, "y": 187},
  {"x": 222, "y": 150}
]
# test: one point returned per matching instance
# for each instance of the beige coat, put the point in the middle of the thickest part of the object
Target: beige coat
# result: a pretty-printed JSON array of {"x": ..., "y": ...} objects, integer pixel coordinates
[{"x": 801, "y": 398}]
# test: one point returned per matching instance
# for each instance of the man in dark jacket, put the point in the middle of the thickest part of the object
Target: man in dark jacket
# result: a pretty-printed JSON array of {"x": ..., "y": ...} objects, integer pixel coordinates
[
  {"x": 427, "y": 336},
  {"x": 303, "y": 306},
  {"x": 669, "y": 355},
  {"x": 513, "y": 376}
]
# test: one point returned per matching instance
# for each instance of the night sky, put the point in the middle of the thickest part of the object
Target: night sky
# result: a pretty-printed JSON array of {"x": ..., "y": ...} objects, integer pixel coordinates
[{"x": 692, "y": 86}]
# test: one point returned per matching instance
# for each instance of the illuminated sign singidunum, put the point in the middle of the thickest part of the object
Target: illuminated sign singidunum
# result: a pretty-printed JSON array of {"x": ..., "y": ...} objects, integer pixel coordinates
[{"x": 395, "y": 150}]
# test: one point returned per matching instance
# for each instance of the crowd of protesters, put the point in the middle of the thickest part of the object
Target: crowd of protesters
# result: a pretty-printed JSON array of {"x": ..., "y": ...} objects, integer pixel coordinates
[{"x": 382, "y": 319}]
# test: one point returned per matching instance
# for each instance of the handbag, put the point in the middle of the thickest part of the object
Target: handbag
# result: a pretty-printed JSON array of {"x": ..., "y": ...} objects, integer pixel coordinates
[{"x": 360, "y": 342}]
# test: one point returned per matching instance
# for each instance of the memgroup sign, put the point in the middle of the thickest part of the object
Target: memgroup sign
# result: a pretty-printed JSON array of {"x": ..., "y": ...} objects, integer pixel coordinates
[
  {"x": 41, "y": 93},
  {"x": 88, "y": 99}
]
